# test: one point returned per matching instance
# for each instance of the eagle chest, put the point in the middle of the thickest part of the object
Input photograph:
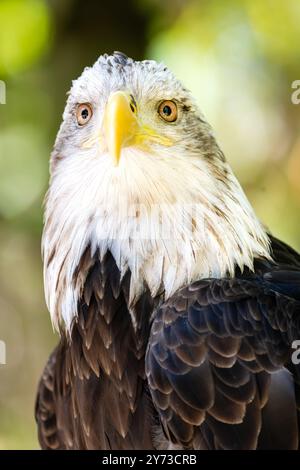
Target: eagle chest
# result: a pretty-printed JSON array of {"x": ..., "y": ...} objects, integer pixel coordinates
[{"x": 107, "y": 354}]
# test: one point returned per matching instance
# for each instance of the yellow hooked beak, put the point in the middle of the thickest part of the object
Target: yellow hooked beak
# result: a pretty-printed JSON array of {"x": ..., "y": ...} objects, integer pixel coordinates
[{"x": 120, "y": 123}]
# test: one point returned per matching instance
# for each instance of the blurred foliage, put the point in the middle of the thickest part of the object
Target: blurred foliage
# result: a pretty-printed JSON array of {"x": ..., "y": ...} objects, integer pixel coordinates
[
  {"x": 239, "y": 58},
  {"x": 24, "y": 34}
]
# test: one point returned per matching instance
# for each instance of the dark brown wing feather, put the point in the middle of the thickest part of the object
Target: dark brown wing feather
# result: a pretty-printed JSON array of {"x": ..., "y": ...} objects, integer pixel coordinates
[
  {"x": 214, "y": 364},
  {"x": 46, "y": 411},
  {"x": 218, "y": 358}
]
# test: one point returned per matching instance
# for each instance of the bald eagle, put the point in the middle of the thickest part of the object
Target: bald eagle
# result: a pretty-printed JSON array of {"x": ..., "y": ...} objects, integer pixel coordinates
[{"x": 177, "y": 310}]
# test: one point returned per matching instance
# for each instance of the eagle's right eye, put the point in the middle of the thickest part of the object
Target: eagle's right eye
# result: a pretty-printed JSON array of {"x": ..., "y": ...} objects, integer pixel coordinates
[{"x": 84, "y": 113}]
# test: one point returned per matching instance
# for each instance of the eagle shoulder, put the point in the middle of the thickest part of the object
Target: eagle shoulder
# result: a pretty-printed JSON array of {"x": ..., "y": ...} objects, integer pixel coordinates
[{"x": 219, "y": 357}]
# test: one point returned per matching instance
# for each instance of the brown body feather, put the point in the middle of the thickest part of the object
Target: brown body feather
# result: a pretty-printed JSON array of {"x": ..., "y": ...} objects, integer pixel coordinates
[{"x": 212, "y": 370}]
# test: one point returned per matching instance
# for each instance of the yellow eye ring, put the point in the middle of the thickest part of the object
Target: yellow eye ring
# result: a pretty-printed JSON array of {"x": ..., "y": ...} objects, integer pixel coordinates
[
  {"x": 168, "y": 110},
  {"x": 84, "y": 112}
]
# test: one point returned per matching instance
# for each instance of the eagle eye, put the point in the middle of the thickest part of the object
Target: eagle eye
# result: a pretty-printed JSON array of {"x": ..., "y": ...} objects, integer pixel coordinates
[
  {"x": 168, "y": 110},
  {"x": 84, "y": 113}
]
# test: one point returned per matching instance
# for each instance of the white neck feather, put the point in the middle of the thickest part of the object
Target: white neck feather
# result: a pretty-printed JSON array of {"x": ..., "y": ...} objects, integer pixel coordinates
[{"x": 169, "y": 225}]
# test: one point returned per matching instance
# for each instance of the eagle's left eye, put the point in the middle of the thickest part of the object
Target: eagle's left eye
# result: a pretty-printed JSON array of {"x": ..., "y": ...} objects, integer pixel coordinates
[
  {"x": 168, "y": 110},
  {"x": 84, "y": 113}
]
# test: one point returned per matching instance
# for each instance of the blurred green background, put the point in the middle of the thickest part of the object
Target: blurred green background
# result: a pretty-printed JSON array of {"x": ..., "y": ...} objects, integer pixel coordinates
[{"x": 239, "y": 58}]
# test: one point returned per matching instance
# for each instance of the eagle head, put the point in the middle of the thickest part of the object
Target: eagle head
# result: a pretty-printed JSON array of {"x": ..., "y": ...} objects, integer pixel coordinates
[{"x": 137, "y": 172}]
